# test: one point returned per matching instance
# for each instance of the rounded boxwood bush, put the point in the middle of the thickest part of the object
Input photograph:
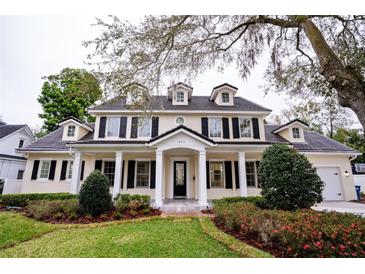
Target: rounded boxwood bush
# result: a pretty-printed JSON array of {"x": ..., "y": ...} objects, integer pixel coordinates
[
  {"x": 95, "y": 198},
  {"x": 288, "y": 180}
]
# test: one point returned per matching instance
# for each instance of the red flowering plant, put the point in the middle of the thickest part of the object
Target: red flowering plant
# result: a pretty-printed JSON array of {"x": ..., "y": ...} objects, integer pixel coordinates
[{"x": 302, "y": 233}]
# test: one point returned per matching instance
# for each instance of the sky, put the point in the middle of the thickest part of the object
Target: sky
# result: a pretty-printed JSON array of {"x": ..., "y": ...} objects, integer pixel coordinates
[{"x": 35, "y": 46}]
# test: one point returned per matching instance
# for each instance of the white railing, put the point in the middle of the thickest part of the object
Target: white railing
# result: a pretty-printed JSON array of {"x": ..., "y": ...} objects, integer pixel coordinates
[{"x": 12, "y": 186}]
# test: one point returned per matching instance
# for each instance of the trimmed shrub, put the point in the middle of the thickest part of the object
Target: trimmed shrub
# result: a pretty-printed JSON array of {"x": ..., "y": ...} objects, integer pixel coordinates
[
  {"x": 230, "y": 200},
  {"x": 134, "y": 203},
  {"x": 58, "y": 209},
  {"x": 22, "y": 200},
  {"x": 95, "y": 198},
  {"x": 288, "y": 180},
  {"x": 301, "y": 233}
]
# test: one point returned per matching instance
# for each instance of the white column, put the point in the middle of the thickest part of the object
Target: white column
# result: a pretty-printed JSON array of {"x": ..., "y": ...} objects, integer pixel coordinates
[
  {"x": 76, "y": 170},
  {"x": 159, "y": 176},
  {"x": 203, "y": 194},
  {"x": 242, "y": 173},
  {"x": 118, "y": 173}
]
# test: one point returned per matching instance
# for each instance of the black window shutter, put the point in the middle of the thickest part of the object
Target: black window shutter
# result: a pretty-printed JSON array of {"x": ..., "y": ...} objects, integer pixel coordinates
[
  {"x": 63, "y": 170},
  {"x": 225, "y": 123},
  {"x": 207, "y": 174},
  {"x": 98, "y": 164},
  {"x": 255, "y": 127},
  {"x": 131, "y": 168},
  {"x": 228, "y": 173},
  {"x": 235, "y": 127},
  {"x": 52, "y": 170},
  {"x": 122, "y": 127},
  {"x": 35, "y": 170},
  {"x": 121, "y": 184},
  {"x": 205, "y": 126},
  {"x": 154, "y": 126},
  {"x": 257, "y": 174},
  {"x": 102, "y": 127},
  {"x": 153, "y": 175},
  {"x": 82, "y": 170},
  {"x": 236, "y": 174},
  {"x": 134, "y": 128}
]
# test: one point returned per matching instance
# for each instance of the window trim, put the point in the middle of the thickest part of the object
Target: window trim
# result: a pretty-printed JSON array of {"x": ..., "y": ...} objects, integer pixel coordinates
[
  {"x": 41, "y": 161},
  {"x": 222, "y": 97},
  {"x": 150, "y": 122},
  {"x": 223, "y": 173},
  {"x": 293, "y": 134},
  {"x": 255, "y": 172},
  {"x": 239, "y": 126},
  {"x": 221, "y": 123},
  {"x": 21, "y": 139},
  {"x": 68, "y": 130},
  {"x": 17, "y": 175},
  {"x": 149, "y": 173},
  {"x": 183, "y": 98},
  {"x": 106, "y": 127}
]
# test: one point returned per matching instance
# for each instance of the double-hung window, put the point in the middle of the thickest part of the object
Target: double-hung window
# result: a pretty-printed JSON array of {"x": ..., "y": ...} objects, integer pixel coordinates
[
  {"x": 144, "y": 127},
  {"x": 296, "y": 133},
  {"x": 112, "y": 129},
  {"x": 251, "y": 174},
  {"x": 69, "y": 172},
  {"x": 21, "y": 143},
  {"x": 216, "y": 174},
  {"x": 142, "y": 173},
  {"x": 180, "y": 97},
  {"x": 215, "y": 127},
  {"x": 71, "y": 131},
  {"x": 44, "y": 170},
  {"x": 109, "y": 171},
  {"x": 245, "y": 128},
  {"x": 225, "y": 97}
]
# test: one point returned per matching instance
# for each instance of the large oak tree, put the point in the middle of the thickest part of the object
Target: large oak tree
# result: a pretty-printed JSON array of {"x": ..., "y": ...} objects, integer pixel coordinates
[{"x": 308, "y": 53}]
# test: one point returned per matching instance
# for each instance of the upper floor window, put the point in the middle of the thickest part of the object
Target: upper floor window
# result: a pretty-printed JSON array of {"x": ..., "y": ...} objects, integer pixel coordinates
[
  {"x": 71, "y": 131},
  {"x": 215, "y": 127},
  {"x": 112, "y": 129},
  {"x": 180, "y": 96},
  {"x": 225, "y": 97},
  {"x": 216, "y": 174},
  {"x": 21, "y": 143},
  {"x": 142, "y": 173},
  {"x": 245, "y": 128},
  {"x": 144, "y": 127},
  {"x": 44, "y": 170},
  {"x": 296, "y": 133}
]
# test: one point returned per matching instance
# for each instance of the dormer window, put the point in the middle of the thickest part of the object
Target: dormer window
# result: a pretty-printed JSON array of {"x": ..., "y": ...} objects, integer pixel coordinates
[
  {"x": 225, "y": 97},
  {"x": 296, "y": 133},
  {"x": 71, "y": 131},
  {"x": 180, "y": 96}
]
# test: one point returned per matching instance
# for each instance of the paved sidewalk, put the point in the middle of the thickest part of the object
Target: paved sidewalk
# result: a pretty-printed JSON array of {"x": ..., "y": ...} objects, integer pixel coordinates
[{"x": 343, "y": 207}]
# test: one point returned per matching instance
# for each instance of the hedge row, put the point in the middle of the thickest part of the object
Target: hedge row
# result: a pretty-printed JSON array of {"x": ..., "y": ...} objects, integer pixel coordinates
[
  {"x": 22, "y": 200},
  {"x": 257, "y": 200}
]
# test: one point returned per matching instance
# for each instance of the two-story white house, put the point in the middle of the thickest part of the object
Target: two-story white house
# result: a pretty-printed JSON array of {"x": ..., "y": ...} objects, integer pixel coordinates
[
  {"x": 184, "y": 147},
  {"x": 13, "y": 137}
]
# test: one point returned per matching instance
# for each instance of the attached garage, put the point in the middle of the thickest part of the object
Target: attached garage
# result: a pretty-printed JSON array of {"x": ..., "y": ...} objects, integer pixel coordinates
[{"x": 331, "y": 177}]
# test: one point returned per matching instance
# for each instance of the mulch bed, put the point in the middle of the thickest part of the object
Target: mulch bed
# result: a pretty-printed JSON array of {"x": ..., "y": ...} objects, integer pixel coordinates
[
  {"x": 206, "y": 211},
  {"x": 250, "y": 241}
]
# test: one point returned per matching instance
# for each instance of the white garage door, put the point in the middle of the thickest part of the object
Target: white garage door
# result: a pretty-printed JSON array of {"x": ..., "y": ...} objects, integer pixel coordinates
[{"x": 331, "y": 177}]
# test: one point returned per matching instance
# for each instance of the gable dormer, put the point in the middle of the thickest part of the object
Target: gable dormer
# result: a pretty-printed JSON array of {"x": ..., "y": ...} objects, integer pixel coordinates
[
  {"x": 74, "y": 129},
  {"x": 223, "y": 95},
  {"x": 292, "y": 131},
  {"x": 180, "y": 94}
]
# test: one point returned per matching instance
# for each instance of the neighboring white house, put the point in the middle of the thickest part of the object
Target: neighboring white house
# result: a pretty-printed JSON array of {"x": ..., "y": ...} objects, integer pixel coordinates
[
  {"x": 12, "y": 137},
  {"x": 193, "y": 147}
]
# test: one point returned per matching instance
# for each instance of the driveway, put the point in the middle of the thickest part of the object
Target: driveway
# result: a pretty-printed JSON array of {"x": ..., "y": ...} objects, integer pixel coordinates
[{"x": 343, "y": 207}]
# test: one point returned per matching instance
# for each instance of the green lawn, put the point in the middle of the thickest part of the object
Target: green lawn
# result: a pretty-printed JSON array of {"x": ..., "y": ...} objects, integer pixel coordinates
[{"x": 157, "y": 237}]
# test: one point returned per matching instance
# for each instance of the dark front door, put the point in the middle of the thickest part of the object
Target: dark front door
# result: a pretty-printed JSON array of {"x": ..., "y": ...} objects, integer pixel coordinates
[{"x": 179, "y": 179}]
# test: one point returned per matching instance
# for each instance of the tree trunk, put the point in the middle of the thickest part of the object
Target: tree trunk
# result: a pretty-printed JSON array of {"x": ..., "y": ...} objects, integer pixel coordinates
[{"x": 350, "y": 88}]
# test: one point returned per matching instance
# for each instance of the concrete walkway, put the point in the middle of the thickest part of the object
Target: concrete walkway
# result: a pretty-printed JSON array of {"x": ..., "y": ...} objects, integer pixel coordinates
[
  {"x": 343, "y": 207},
  {"x": 182, "y": 207}
]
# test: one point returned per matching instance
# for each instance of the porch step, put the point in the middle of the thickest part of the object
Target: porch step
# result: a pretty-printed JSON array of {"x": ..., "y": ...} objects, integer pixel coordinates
[{"x": 181, "y": 206}]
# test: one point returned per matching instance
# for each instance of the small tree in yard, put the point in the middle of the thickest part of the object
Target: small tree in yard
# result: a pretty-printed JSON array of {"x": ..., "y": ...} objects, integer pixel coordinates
[
  {"x": 95, "y": 198},
  {"x": 288, "y": 179}
]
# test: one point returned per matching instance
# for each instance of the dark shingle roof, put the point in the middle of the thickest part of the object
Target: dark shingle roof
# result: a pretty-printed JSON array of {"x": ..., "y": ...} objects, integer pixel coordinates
[
  {"x": 197, "y": 103},
  {"x": 5, "y": 130},
  {"x": 7, "y": 156}
]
